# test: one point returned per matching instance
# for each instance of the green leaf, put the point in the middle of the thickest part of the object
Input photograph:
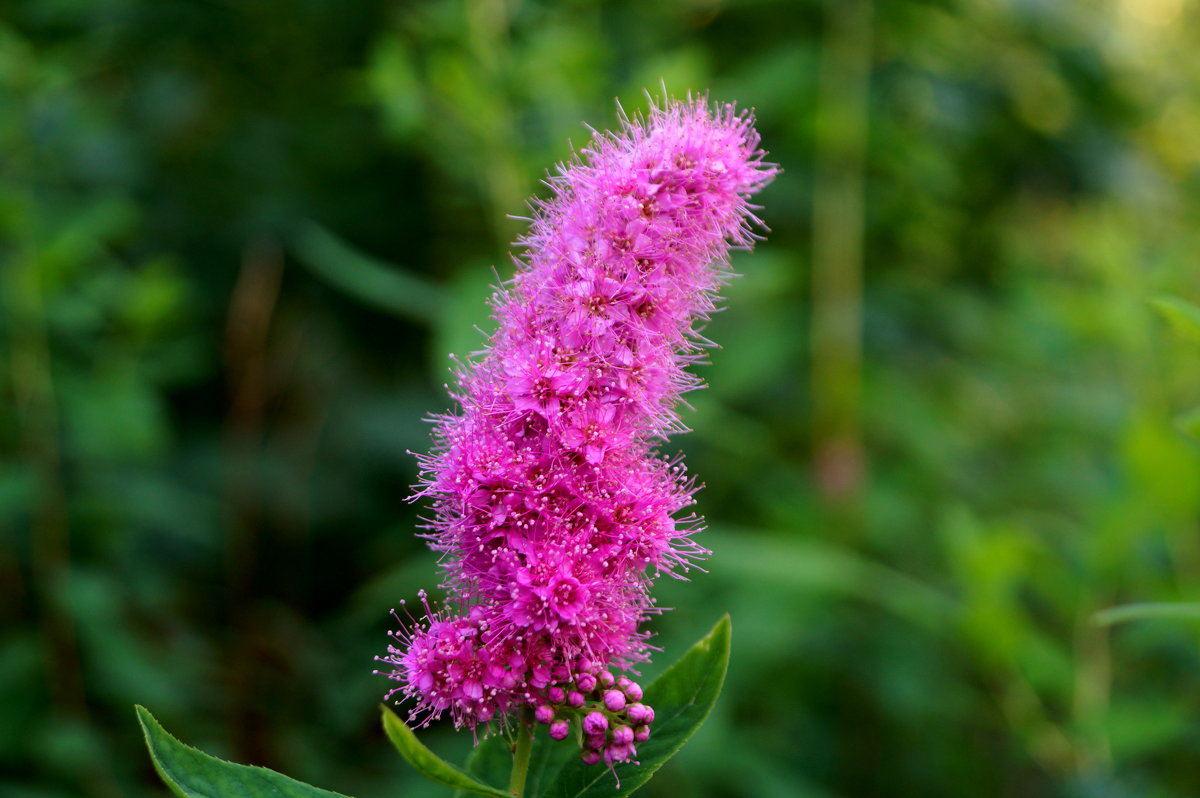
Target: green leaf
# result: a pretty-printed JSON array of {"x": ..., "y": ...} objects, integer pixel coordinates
[
  {"x": 191, "y": 773},
  {"x": 1183, "y": 316},
  {"x": 682, "y": 698},
  {"x": 1145, "y": 611},
  {"x": 430, "y": 764},
  {"x": 367, "y": 279}
]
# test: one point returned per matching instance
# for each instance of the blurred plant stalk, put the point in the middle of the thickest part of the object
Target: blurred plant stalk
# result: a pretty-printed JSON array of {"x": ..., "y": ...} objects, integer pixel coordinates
[
  {"x": 842, "y": 117},
  {"x": 247, "y": 353}
]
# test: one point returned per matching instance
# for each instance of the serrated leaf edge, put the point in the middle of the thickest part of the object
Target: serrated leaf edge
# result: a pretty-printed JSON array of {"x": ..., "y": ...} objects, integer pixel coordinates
[{"x": 148, "y": 722}]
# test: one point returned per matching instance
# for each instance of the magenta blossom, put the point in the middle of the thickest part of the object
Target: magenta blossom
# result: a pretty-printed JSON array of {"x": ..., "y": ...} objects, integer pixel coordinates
[{"x": 552, "y": 510}]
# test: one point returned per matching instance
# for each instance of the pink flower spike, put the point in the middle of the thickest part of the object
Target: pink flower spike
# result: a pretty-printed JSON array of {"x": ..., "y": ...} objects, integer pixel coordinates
[{"x": 552, "y": 510}]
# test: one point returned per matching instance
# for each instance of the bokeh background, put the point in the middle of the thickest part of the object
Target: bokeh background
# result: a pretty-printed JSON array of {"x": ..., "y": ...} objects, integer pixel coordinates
[{"x": 239, "y": 239}]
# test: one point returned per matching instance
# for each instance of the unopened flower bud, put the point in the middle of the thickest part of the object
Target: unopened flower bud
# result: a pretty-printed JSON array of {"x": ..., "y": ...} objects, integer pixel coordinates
[
  {"x": 544, "y": 713},
  {"x": 590, "y": 757},
  {"x": 575, "y": 699},
  {"x": 614, "y": 700},
  {"x": 559, "y": 730},
  {"x": 605, "y": 678},
  {"x": 622, "y": 735},
  {"x": 586, "y": 682},
  {"x": 595, "y": 723},
  {"x": 556, "y": 695},
  {"x": 641, "y": 734},
  {"x": 618, "y": 753},
  {"x": 633, "y": 691},
  {"x": 637, "y": 713}
]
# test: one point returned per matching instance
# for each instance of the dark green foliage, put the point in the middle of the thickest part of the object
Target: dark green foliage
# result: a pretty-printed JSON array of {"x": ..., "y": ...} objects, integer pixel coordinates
[
  {"x": 194, "y": 774},
  {"x": 238, "y": 241}
]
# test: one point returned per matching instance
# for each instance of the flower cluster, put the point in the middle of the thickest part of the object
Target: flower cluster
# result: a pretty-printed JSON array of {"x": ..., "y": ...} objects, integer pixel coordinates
[{"x": 552, "y": 510}]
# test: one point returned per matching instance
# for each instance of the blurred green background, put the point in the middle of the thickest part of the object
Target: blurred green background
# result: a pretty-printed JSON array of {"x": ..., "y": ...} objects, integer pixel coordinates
[{"x": 239, "y": 239}]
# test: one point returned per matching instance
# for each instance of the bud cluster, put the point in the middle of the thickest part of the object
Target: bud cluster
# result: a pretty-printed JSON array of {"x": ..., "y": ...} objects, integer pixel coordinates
[{"x": 607, "y": 710}]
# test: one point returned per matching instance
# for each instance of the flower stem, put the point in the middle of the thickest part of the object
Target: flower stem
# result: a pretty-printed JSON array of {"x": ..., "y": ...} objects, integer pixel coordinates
[{"x": 516, "y": 785}]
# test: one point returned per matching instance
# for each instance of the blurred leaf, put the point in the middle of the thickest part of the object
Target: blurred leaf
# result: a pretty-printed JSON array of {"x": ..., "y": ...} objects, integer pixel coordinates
[
  {"x": 428, "y": 763},
  {"x": 1189, "y": 422},
  {"x": 1148, "y": 611},
  {"x": 81, "y": 240},
  {"x": 119, "y": 659},
  {"x": 18, "y": 486},
  {"x": 1137, "y": 727},
  {"x": 117, "y": 414},
  {"x": 364, "y": 278},
  {"x": 815, "y": 566},
  {"x": 153, "y": 298},
  {"x": 191, "y": 773},
  {"x": 1183, "y": 316},
  {"x": 393, "y": 83},
  {"x": 1163, "y": 467},
  {"x": 67, "y": 743}
]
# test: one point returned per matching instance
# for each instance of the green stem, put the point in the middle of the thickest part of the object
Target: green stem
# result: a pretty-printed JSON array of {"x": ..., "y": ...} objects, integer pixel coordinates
[{"x": 516, "y": 785}]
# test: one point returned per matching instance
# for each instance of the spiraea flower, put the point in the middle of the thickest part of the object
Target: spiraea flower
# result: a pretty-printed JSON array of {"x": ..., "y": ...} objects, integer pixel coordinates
[{"x": 552, "y": 510}]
